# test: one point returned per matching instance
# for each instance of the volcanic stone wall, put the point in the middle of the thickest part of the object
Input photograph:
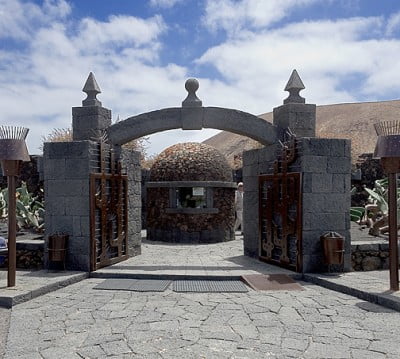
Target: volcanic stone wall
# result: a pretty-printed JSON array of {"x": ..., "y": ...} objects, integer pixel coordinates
[
  {"x": 190, "y": 227},
  {"x": 195, "y": 165},
  {"x": 325, "y": 165},
  {"x": 190, "y": 162},
  {"x": 131, "y": 165},
  {"x": 67, "y": 168}
]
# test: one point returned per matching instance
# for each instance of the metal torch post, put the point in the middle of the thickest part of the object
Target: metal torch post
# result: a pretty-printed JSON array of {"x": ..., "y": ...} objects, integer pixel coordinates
[
  {"x": 12, "y": 226},
  {"x": 388, "y": 150},
  {"x": 393, "y": 247},
  {"x": 12, "y": 152}
]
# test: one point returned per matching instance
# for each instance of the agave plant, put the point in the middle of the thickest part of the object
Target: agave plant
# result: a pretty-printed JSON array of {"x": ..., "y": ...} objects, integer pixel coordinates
[
  {"x": 3, "y": 203},
  {"x": 30, "y": 211},
  {"x": 377, "y": 209}
]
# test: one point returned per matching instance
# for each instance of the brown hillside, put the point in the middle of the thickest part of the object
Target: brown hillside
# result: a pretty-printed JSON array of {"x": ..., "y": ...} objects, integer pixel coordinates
[{"x": 348, "y": 120}]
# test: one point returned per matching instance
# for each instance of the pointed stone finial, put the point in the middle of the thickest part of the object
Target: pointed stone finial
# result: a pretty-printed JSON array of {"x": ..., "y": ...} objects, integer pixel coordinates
[
  {"x": 92, "y": 89},
  {"x": 191, "y": 85},
  {"x": 294, "y": 86}
]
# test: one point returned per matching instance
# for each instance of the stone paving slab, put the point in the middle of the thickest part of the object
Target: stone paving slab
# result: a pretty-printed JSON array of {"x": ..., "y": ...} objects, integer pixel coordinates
[
  {"x": 178, "y": 261},
  {"x": 218, "y": 261},
  {"x": 79, "y": 322},
  {"x": 136, "y": 285},
  {"x": 372, "y": 286},
  {"x": 4, "y": 326},
  {"x": 31, "y": 284}
]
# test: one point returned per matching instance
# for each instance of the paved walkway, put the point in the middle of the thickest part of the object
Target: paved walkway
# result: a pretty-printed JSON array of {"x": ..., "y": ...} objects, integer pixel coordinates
[
  {"x": 168, "y": 260},
  {"x": 371, "y": 286},
  {"x": 223, "y": 260},
  {"x": 4, "y": 326},
  {"x": 77, "y": 321},
  {"x": 31, "y": 284}
]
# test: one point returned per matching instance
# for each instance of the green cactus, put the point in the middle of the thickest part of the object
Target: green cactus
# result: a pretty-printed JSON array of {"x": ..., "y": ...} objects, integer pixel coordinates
[
  {"x": 30, "y": 211},
  {"x": 376, "y": 211}
]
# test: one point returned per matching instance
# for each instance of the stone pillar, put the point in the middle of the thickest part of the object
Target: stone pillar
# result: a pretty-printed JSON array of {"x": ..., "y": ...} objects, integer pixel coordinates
[
  {"x": 91, "y": 120},
  {"x": 66, "y": 169},
  {"x": 326, "y": 168},
  {"x": 300, "y": 118},
  {"x": 255, "y": 162},
  {"x": 131, "y": 165},
  {"x": 325, "y": 165},
  {"x": 66, "y": 172},
  {"x": 295, "y": 113}
]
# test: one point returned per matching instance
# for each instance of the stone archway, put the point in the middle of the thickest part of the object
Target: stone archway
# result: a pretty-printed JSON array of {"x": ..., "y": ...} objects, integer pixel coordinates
[
  {"x": 324, "y": 166},
  {"x": 193, "y": 116}
]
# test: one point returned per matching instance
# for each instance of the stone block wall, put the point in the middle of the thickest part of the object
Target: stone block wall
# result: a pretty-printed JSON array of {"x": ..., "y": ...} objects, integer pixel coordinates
[
  {"x": 370, "y": 256},
  {"x": 325, "y": 165},
  {"x": 66, "y": 170},
  {"x": 131, "y": 166},
  {"x": 27, "y": 258},
  {"x": 255, "y": 162},
  {"x": 89, "y": 122},
  {"x": 299, "y": 117},
  {"x": 67, "y": 167},
  {"x": 326, "y": 168}
]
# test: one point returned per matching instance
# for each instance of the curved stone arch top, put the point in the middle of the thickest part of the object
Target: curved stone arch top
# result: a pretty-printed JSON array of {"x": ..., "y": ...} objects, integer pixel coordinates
[{"x": 193, "y": 118}]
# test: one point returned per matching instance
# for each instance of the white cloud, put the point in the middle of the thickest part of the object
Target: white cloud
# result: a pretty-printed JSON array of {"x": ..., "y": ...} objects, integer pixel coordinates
[
  {"x": 56, "y": 8},
  {"x": 119, "y": 31},
  {"x": 164, "y": 3},
  {"x": 325, "y": 53},
  {"x": 393, "y": 24},
  {"x": 19, "y": 20},
  {"x": 42, "y": 80},
  {"x": 234, "y": 16}
]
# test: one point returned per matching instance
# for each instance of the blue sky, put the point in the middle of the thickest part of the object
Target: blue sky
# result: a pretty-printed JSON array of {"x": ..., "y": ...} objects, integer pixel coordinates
[{"x": 141, "y": 52}]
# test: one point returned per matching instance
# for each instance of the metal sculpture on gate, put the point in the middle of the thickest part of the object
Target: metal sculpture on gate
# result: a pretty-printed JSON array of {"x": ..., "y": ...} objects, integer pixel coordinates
[
  {"x": 280, "y": 212},
  {"x": 108, "y": 211}
]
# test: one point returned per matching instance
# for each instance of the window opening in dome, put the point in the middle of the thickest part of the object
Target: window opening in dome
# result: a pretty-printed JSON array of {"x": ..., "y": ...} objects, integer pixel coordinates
[{"x": 191, "y": 197}]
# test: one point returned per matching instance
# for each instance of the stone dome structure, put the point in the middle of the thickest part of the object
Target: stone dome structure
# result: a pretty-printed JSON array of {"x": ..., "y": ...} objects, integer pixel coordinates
[
  {"x": 190, "y": 196},
  {"x": 190, "y": 162}
]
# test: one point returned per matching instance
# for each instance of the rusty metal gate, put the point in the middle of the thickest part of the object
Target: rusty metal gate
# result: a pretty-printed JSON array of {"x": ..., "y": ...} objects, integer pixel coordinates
[
  {"x": 108, "y": 209},
  {"x": 280, "y": 213}
]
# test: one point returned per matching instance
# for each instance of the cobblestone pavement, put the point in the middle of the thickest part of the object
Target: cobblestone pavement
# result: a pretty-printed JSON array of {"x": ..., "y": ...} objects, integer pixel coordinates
[
  {"x": 4, "y": 324},
  {"x": 81, "y": 322}
]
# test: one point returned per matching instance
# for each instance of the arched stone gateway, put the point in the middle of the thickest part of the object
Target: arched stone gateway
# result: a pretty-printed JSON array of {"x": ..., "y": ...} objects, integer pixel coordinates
[
  {"x": 93, "y": 186},
  {"x": 192, "y": 116}
]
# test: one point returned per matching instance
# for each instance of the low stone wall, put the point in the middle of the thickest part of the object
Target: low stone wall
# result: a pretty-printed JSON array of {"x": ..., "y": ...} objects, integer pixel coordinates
[
  {"x": 370, "y": 256},
  {"x": 364, "y": 257},
  {"x": 29, "y": 255}
]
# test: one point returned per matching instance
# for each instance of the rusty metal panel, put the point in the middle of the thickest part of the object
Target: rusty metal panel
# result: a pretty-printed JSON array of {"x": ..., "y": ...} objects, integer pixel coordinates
[
  {"x": 108, "y": 212},
  {"x": 280, "y": 220}
]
